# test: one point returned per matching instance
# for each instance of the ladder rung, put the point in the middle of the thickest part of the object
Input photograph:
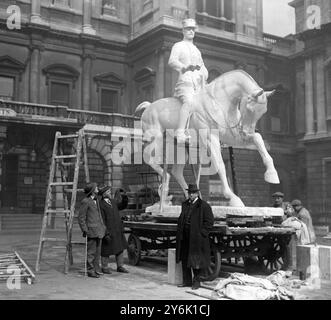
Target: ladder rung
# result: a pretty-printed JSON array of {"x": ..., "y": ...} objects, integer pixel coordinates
[
  {"x": 69, "y": 156},
  {"x": 57, "y": 184},
  {"x": 54, "y": 240},
  {"x": 71, "y": 190},
  {"x": 68, "y": 164},
  {"x": 78, "y": 242},
  {"x": 58, "y": 211},
  {"x": 69, "y": 136}
]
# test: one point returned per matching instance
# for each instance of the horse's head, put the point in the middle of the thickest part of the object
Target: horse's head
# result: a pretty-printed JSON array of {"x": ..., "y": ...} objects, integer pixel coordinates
[{"x": 252, "y": 107}]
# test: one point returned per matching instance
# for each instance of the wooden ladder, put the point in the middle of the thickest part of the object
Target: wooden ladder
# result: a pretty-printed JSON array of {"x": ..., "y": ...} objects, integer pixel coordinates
[{"x": 59, "y": 165}]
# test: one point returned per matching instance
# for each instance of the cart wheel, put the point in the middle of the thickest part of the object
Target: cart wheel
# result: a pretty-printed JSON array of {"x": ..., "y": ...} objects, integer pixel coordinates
[
  {"x": 134, "y": 250},
  {"x": 215, "y": 264},
  {"x": 274, "y": 260}
]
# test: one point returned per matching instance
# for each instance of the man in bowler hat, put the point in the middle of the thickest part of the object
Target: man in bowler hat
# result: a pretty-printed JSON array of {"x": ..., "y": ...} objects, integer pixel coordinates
[
  {"x": 114, "y": 242},
  {"x": 192, "y": 243},
  {"x": 92, "y": 226}
]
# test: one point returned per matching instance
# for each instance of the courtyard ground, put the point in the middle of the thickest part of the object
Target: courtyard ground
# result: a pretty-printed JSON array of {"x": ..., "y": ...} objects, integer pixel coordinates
[{"x": 148, "y": 281}]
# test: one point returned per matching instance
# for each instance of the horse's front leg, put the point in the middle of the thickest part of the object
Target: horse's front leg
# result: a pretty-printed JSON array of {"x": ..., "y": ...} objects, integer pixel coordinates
[
  {"x": 270, "y": 175},
  {"x": 217, "y": 161}
]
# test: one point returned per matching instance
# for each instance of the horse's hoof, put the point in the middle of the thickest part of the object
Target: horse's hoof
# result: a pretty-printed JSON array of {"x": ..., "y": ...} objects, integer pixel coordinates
[
  {"x": 236, "y": 202},
  {"x": 271, "y": 177}
]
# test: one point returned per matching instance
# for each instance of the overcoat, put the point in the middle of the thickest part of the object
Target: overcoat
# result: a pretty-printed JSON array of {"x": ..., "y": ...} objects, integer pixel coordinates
[
  {"x": 202, "y": 221},
  {"x": 305, "y": 217},
  {"x": 90, "y": 219},
  {"x": 114, "y": 242}
]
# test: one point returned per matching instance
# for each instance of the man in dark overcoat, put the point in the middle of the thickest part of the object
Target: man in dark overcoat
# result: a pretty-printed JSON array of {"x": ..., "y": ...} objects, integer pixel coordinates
[
  {"x": 192, "y": 243},
  {"x": 92, "y": 226},
  {"x": 114, "y": 242}
]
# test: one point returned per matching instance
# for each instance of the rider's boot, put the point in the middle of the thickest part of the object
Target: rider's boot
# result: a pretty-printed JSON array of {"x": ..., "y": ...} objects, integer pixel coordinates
[{"x": 181, "y": 135}]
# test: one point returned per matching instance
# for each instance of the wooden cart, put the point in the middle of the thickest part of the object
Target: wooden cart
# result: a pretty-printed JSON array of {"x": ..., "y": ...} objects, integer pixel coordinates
[{"x": 268, "y": 244}]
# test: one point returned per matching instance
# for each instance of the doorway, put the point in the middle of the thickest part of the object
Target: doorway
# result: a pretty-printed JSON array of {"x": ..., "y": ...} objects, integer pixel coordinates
[{"x": 9, "y": 180}]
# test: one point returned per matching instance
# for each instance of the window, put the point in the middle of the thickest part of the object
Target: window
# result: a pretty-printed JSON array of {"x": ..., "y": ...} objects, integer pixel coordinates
[
  {"x": 278, "y": 111},
  {"x": 147, "y": 5},
  {"x": 10, "y": 76},
  {"x": 328, "y": 91},
  {"x": 110, "y": 7},
  {"x": 109, "y": 100},
  {"x": 61, "y": 80},
  {"x": 216, "y": 8},
  {"x": 7, "y": 87},
  {"x": 60, "y": 94},
  {"x": 145, "y": 82},
  {"x": 110, "y": 88},
  {"x": 61, "y": 3}
]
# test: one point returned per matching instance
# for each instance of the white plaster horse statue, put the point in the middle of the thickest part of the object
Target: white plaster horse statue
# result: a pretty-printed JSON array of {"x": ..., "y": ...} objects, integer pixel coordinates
[{"x": 229, "y": 107}]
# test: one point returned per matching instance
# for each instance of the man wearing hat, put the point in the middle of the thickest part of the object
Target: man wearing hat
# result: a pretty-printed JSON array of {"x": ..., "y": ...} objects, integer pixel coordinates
[
  {"x": 278, "y": 199},
  {"x": 114, "y": 242},
  {"x": 304, "y": 215},
  {"x": 192, "y": 240},
  {"x": 186, "y": 59},
  {"x": 92, "y": 226}
]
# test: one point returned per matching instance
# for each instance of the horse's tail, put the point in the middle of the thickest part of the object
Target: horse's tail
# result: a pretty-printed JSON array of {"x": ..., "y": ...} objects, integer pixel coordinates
[{"x": 142, "y": 106}]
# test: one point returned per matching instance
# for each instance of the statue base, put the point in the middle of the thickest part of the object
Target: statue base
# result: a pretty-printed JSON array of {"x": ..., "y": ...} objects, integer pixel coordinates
[{"x": 219, "y": 212}]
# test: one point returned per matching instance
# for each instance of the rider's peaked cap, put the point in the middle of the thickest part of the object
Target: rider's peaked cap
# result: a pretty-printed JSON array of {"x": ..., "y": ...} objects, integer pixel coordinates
[{"x": 189, "y": 23}]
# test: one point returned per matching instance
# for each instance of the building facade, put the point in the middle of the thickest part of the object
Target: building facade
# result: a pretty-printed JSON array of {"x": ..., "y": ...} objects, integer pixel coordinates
[{"x": 76, "y": 62}]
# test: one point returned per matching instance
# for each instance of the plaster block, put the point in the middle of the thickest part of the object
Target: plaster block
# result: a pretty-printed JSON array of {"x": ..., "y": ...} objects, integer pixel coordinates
[
  {"x": 308, "y": 262},
  {"x": 175, "y": 275},
  {"x": 325, "y": 262}
]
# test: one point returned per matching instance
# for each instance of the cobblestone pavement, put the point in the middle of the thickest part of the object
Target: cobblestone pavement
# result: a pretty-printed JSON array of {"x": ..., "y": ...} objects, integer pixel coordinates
[{"x": 148, "y": 281}]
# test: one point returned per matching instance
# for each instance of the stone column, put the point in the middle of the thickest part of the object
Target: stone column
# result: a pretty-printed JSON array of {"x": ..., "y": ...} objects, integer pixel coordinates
[
  {"x": 87, "y": 17},
  {"x": 34, "y": 74},
  {"x": 320, "y": 96},
  {"x": 309, "y": 101},
  {"x": 86, "y": 78},
  {"x": 35, "y": 11}
]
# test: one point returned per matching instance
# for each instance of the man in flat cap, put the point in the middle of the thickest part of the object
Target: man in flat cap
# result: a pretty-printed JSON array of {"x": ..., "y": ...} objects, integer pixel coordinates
[
  {"x": 186, "y": 59},
  {"x": 114, "y": 242},
  {"x": 304, "y": 215},
  {"x": 278, "y": 202},
  {"x": 92, "y": 226},
  {"x": 192, "y": 241}
]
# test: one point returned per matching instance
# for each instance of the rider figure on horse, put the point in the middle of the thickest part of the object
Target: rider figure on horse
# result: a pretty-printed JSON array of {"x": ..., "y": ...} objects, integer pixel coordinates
[{"x": 186, "y": 59}]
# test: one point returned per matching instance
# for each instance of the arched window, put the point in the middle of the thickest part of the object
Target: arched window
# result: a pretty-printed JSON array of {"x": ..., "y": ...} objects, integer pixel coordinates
[{"x": 61, "y": 81}]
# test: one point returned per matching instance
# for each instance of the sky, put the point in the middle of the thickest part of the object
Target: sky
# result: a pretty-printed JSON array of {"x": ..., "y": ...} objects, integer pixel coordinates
[{"x": 278, "y": 17}]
